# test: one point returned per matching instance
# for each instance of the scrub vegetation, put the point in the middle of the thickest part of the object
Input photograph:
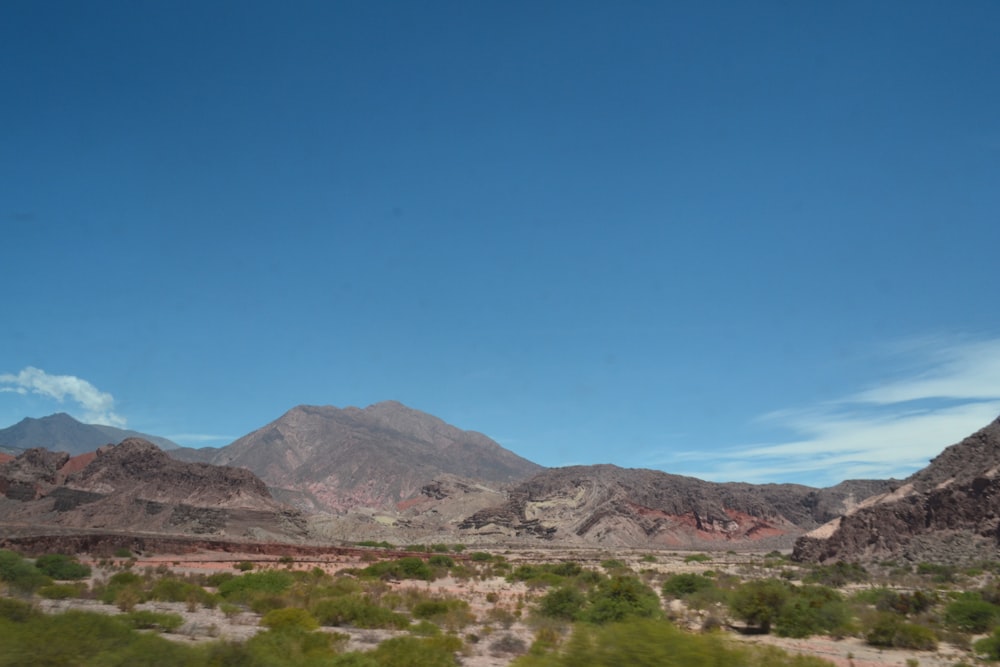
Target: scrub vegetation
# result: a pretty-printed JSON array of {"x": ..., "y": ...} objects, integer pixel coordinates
[{"x": 538, "y": 614}]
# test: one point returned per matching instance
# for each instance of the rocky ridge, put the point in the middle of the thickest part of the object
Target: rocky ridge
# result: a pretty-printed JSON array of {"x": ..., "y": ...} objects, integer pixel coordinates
[
  {"x": 135, "y": 486},
  {"x": 611, "y": 506},
  {"x": 948, "y": 511}
]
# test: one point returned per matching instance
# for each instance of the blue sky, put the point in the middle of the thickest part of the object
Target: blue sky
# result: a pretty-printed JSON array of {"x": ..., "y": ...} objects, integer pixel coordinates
[{"x": 743, "y": 241}]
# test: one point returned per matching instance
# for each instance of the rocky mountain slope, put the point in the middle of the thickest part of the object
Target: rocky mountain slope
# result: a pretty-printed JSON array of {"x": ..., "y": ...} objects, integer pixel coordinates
[
  {"x": 62, "y": 433},
  {"x": 611, "y": 506},
  {"x": 134, "y": 486},
  {"x": 948, "y": 511},
  {"x": 326, "y": 459}
]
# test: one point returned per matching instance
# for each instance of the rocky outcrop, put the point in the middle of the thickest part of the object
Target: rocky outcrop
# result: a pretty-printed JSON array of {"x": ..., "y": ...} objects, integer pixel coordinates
[
  {"x": 947, "y": 512},
  {"x": 135, "y": 486},
  {"x": 612, "y": 506}
]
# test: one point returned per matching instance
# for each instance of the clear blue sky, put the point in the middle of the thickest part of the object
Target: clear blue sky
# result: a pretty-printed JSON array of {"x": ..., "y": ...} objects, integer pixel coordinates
[{"x": 753, "y": 241}]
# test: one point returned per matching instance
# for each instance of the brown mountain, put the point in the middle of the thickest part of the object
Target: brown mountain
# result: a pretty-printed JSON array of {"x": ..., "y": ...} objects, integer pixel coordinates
[
  {"x": 134, "y": 486},
  {"x": 949, "y": 511},
  {"x": 612, "y": 506},
  {"x": 333, "y": 460}
]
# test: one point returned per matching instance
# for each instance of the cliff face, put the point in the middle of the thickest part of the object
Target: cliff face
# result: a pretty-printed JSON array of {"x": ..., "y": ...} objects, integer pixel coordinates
[
  {"x": 134, "y": 486},
  {"x": 948, "y": 511},
  {"x": 608, "y": 505}
]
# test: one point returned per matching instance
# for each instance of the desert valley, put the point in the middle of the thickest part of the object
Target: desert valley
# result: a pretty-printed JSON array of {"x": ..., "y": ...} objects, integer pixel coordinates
[{"x": 385, "y": 536}]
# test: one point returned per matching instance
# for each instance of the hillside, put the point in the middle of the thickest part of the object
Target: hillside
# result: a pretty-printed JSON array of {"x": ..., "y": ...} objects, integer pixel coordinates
[
  {"x": 134, "y": 486},
  {"x": 326, "y": 459},
  {"x": 612, "y": 506},
  {"x": 948, "y": 511}
]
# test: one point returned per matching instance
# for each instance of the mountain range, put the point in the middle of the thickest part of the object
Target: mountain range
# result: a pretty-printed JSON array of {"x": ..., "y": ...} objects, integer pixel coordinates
[
  {"x": 61, "y": 433},
  {"x": 389, "y": 472}
]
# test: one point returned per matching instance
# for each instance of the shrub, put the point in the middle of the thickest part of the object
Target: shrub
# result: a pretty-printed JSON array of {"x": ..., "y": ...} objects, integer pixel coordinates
[
  {"x": 759, "y": 602},
  {"x": 619, "y": 598},
  {"x": 245, "y": 587},
  {"x": 565, "y": 603},
  {"x": 890, "y": 631},
  {"x": 62, "y": 567},
  {"x": 62, "y": 591},
  {"x": 970, "y": 613},
  {"x": 989, "y": 647},
  {"x": 152, "y": 620},
  {"x": 681, "y": 585},
  {"x": 697, "y": 558},
  {"x": 409, "y": 567},
  {"x": 837, "y": 575},
  {"x": 357, "y": 611},
  {"x": 20, "y": 574},
  {"x": 289, "y": 618},
  {"x": 440, "y": 560},
  {"x": 417, "y": 652},
  {"x": 811, "y": 610}
]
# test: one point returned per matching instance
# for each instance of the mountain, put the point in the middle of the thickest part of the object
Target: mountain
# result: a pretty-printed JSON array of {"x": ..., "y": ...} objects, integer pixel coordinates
[
  {"x": 327, "y": 459},
  {"x": 62, "y": 433},
  {"x": 134, "y": 486},
  {"x": 948, "y": 511},
  {"x": 617, "y": 507}
]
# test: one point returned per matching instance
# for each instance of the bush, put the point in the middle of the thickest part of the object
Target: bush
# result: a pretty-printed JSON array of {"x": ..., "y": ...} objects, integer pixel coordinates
[
  {"x": 409, "y": 567},
  {"x": 564, "y": 603},
  {"x": 417, "y": 652},
  {"x": 245, "y": 587},
  {"x": 61, "y": 591},
  {"x": 697, "y": 558},
  {"x": 62, "y": 567},
  {"x": 289, "y": 618},
  {"x": 989, "y": 647},
  {"x": 357, "y": 611},
  {"x": 19, "y": 574},
  {"x": 970, "y": 613},
  {"x": 681, "y": 585},
  {"x": 812, "y": 610},
  {"x": 837, "y": 575},
  {"x": 890, "y": 631},
  {"x": 152, "y": 620},
  {"x": 619, "y": 598},
  {"x": 758, "y": 603}
]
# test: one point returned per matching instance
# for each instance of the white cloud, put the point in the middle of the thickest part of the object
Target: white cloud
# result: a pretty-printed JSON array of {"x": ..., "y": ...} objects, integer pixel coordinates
[
  {"x": 98, "y": 406},
  {"x": 951, "y": 389}
]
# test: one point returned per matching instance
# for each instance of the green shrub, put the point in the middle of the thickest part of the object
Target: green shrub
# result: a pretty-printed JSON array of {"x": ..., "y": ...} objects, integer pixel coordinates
[
  {"x": 697, "y": 558},
  {"x": 619, "y": 598},
  {"x": 289, "y": 618},
  {"x": 480, "y": 557},
  {"x": 245, "y": 587},
  {"x": 409, "y": 567},
  {"x": 564, "y": 603},
  {"x": 989, "y": 647},
  {"x": 62, "y": 567},
  {"x": 357, "y": 611},
  {"x": 17, "y": 610},
  {"x": 758, "y": 603},
  {"x": 440, "y": 560},
  {"x": 888, "y": 630},
  {"x": 20, "y": 574},
  {"x": 970, "y": 613},
  {"x": 418, "y": 652},
  {"x": 837, "y": 575},
  {"x": 61, "y": 591},
  {"x": 811, "y": 610},
  {"x": 681, "y": 585},
  {"x": 152, "y": 620}
]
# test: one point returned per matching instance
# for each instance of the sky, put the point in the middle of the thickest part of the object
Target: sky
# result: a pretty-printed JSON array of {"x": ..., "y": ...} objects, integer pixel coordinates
[{"x": 739, "y": 241}]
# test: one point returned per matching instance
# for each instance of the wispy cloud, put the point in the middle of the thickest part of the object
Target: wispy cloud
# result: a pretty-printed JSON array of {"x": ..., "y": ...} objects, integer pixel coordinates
[
  {"x": 951, "y": 389},
  {"x": 98, "y": 406}
]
